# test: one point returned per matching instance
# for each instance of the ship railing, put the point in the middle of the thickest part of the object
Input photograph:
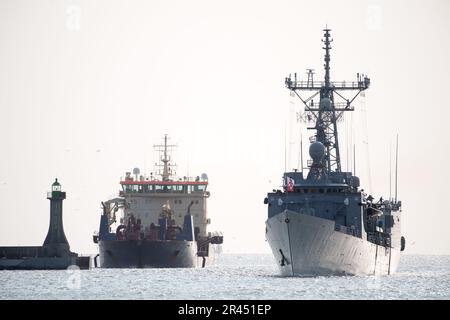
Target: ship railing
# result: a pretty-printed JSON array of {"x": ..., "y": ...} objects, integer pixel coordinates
[
  {"x": 339, "y": 85},
  {"x": 379, "y": 239},
  {"x": 338, "y": 106},
  {"x": 350, "y": 231}
]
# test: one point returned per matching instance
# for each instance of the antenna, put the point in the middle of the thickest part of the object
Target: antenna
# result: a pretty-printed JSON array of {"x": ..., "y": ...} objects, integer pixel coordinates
[
  {"x": 396, "y": 169},
  {"x": 285, "y": 150},
  {"x": 310, "y": 81},
  {"x": 187, "y": 171},
  {"x": 301, "y": 150},
  {"x": 390, "y": 172},
  {"x": 166, "y": 165}
]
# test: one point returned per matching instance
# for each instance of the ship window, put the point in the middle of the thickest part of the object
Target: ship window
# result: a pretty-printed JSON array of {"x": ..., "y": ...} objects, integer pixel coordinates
[
  {"x": 197, "y": 188},
  {"x": 321, "y": 191},
  {"x": 148, "y": 188}
]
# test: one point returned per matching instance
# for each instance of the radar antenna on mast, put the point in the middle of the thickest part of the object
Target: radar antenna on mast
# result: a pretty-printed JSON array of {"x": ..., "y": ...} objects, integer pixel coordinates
[
  {"x": 328, "y": 111},
  {"x": 165, "y": 167}
]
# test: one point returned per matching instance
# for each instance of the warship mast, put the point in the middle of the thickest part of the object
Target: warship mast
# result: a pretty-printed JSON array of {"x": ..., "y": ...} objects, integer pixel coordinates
[{"x": 327, "y": 112}]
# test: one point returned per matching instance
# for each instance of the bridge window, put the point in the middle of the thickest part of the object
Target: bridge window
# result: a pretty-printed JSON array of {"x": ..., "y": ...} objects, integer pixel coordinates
[
  {"x": 196, "y": 188},
  {"x": 149, "y": 188},
  {"x": 178, "y": 188}
]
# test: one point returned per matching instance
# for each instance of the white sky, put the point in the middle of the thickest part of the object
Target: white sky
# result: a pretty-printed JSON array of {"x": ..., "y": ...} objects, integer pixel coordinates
[{"x": 87, "y": 88}]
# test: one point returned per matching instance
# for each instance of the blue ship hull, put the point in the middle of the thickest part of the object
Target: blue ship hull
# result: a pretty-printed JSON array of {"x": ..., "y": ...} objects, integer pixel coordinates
[{"x": 149, "y": 254}]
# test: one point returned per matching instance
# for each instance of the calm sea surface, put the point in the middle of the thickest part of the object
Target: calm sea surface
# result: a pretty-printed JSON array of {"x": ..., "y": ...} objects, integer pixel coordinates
[{"x": 233, "y": 277}]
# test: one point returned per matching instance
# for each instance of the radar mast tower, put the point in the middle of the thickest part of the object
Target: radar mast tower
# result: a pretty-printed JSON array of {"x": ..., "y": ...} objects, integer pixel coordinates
[
  {"x": 165, "y": 159},
  {"x": 328, "y": 111}
]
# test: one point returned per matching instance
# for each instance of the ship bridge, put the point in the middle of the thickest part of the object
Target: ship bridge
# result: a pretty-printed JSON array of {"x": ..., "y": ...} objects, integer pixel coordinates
[{"x": 160, "y": 186}]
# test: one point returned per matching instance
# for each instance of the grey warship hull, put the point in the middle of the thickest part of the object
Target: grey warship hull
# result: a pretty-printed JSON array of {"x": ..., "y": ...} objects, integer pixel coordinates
[
  {"x": 305, "y": 245},
  {"x": 151, "y": 254}
]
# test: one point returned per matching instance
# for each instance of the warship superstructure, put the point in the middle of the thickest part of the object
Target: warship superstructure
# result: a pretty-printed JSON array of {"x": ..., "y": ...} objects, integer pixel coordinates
[
  {"x": 322, "y": 223},
  {"x": 162, "y": 221}
]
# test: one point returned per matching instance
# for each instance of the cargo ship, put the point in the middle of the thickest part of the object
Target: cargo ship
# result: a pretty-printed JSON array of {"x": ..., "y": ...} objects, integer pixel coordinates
[{"x": 162, "y": 222}]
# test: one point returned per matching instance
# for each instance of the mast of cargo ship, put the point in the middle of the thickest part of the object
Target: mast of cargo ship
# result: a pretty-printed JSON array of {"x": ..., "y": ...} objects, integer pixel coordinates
[
  {"x": 326, "y": 113},
  {"x": 165, "y": 159}
]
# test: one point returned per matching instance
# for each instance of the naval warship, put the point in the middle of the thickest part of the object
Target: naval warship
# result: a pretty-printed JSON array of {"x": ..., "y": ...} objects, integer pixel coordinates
[
  {"x": 163, "y": 221},
  {"x": 322, "y": 222}
]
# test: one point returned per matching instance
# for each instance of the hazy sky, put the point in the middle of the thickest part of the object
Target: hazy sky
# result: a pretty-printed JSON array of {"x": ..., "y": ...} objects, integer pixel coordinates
[{"x": 87, "y": 88}]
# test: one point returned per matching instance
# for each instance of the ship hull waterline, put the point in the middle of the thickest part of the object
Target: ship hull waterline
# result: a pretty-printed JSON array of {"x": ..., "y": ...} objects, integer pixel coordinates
[
  {"x": 305, "y": 245},
  {"x": 151, "y": 254}
]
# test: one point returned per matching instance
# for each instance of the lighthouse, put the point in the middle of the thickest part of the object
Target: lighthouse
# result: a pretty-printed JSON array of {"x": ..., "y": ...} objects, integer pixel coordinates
[
  {"x": 56, "y": 244},
  {"x": 55, "y": 253}
]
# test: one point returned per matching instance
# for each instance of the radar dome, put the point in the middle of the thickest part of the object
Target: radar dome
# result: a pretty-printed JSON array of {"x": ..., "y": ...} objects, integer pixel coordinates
[
  {"x": 136, "y": 171},
  {"x": 316, "y": 151},
  {"x": 325, "y": 103}
]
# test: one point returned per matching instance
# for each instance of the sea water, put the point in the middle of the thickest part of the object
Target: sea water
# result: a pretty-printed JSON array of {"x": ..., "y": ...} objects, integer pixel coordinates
[{"x": 235, "y": 276}]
